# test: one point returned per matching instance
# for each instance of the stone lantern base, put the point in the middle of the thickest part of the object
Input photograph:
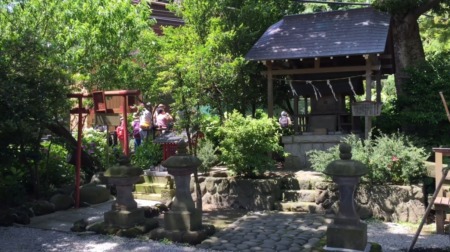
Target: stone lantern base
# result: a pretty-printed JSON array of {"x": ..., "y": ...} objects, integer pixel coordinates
[
  {"x": 124, "y": 218},
  {"x": 190, "y": 237},
  {"x": 347, "y": 237},
  {"x": 183, "y": 220}
]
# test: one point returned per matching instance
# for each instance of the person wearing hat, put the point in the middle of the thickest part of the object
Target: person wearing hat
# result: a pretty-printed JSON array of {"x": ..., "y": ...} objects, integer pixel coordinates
[{"x": 135, "y": 125}]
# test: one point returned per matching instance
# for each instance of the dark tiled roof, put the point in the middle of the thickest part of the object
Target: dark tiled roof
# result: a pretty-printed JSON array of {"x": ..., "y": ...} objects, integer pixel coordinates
[
  {"x": 163, "y": 16},
  {"x": 325, "y": 34}
]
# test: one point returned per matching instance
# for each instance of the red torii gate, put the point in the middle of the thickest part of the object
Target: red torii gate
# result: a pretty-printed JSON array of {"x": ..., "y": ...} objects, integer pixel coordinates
[{"x": 99, "y": 106}]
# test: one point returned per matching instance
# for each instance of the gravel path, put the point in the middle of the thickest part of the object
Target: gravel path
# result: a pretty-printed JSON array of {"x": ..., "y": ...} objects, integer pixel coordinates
[
  {"x": 394, "y": 237},
  {"x": 31, "y": 239},
  {"x": 391, "y": 236}
]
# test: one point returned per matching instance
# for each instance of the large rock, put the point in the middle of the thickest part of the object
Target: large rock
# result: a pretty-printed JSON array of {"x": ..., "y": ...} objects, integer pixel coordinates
[
  {"x": 94, "y": 194},
  {"x": 42, "y": 207},
  {"x": 62, "y": 201}
]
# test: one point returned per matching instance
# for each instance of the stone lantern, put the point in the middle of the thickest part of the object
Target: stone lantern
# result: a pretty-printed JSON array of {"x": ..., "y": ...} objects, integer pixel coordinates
[
  {"x": 124, "y": 212},
  {"x": 183, "y": 216},
  {"x": 347, "y": 232}
]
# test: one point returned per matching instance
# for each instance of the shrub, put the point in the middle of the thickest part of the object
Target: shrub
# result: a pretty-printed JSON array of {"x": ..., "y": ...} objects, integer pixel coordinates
[
  {"x": 419, "y": 111},
  {"x": 247, "y": 142},
  {"x": 95, "y": 143},
  {"x": 210, "y": 125},
  {"x": 147, "y": 154},
  {"x": 389, "y": 158},
  {"x": 54, "y": 171},
  {"x": 13, "y": 181},
  {"x": 207, "y": 154}
]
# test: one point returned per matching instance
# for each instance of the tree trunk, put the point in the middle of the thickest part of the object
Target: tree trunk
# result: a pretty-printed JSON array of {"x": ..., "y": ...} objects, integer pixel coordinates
[
  {"x": 408, "y": 47},
  {"x": 86, "y": 160}
]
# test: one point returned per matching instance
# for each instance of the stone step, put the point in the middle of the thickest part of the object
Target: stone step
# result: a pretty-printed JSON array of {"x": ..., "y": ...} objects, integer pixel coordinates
[
  {"x": 308, "y": 179},
  {"x": 149, "y": 187},
  {"x": 299, "y": 195},
  {"x": 147, "y": 196},
  {"x": 156, "y": 178},
  {"x": 302, "y": 207}
]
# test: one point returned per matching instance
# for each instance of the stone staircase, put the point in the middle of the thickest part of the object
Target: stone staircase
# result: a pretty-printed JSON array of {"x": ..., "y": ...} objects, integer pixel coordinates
[
  {"x": 303, "y": 192},
  {"x": 157, "y": 186}
]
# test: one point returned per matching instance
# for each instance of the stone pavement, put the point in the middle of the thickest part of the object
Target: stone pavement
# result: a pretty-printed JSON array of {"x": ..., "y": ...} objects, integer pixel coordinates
[
  {"x": 255, "y": 231},
  {"x": 270, "y": 231}
]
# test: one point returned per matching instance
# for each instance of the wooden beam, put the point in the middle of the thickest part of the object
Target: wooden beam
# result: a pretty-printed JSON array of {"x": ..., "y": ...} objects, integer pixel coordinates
[
  {"x": 269, "y": 89},
  {"x": 317, "y": 63},
  {"x": 368, "y": 119},
  {"x": 322, "y": 70}
]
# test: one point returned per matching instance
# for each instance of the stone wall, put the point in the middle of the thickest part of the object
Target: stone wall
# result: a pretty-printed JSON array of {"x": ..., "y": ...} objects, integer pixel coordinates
[
  {"x": 249, "y": 194},
  {"x": 389, "y": 203}
]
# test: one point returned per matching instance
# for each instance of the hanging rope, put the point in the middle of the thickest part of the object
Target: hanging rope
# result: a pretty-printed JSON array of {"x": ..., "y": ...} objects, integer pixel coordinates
[
  {"x": 351, "y": 86},
  {"x": 292, "y": 88},
  {"x": 343, "y": 78},
  {"x": 332, "y": 91},
  {"x": 316, "y": 90}
]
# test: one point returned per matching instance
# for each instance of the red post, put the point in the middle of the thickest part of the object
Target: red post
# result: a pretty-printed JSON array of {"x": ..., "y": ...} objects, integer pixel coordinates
[
  {"x": 78, "y": 167},
  {"x": 126, "y": 150}
]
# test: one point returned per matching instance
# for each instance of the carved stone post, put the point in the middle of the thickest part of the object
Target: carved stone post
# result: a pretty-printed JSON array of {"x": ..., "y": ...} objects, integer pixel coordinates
[
  {"x": 124, "y": 212},
  {"x": 347, "y": 232},
  {"x": 183, "y": 216}
]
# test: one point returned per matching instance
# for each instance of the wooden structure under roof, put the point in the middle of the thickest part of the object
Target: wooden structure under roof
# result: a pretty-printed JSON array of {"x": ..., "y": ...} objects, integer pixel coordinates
[{"x": 326, "y": 58}]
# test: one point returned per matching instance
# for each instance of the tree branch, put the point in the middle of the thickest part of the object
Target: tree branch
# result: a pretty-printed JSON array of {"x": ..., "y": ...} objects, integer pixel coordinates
[{"x": 428, "y": 5}]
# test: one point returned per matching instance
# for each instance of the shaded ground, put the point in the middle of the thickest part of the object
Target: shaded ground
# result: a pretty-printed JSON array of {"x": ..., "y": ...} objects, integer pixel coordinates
[{"x": 219, "y": 218}]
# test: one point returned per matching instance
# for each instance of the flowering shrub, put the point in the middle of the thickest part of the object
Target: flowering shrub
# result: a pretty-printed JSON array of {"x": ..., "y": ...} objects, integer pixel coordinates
[
  {"x": 389, "y": 158},
  {"x": 95, "y": 143}
]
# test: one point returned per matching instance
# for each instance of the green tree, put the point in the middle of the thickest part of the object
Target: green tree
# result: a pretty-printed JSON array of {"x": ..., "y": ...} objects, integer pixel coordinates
[
  {"x": 225, "y": 28},
  {"x": 408, "y": 45},
  {"x": 45, "y": 46},
  {"x": 435, "y": 33}
]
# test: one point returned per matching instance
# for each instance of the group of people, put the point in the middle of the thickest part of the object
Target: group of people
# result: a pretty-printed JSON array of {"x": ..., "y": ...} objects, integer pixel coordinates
[{"x": 144, "y": 121}]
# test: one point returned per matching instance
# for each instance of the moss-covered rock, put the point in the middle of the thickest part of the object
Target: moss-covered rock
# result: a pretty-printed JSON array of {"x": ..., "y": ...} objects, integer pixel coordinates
[
  {"x": 62, "y": 201},
  {"x": 94, "y": 194}
]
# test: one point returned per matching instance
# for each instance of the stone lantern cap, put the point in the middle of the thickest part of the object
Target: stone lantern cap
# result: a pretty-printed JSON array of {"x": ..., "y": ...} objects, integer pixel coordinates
[
  {"x": 345, "y": 167},
  {"x": 182, "y": 159}
]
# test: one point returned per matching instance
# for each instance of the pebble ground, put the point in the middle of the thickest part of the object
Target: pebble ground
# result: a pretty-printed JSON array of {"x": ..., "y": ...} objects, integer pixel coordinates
[{"x": 270, "y": 231}]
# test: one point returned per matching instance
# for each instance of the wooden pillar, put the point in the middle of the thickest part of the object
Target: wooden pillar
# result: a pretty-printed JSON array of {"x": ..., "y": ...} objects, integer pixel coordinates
[
  {"x": 379, "y": 87},
  {"x": 269, "y": 89},
  {"x": 296, "y": 117},
  {"x": 368, "y": 119}
]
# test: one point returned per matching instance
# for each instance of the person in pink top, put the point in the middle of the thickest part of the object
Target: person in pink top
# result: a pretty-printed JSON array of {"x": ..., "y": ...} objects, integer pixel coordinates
[{"x": 163, "y": 119}]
